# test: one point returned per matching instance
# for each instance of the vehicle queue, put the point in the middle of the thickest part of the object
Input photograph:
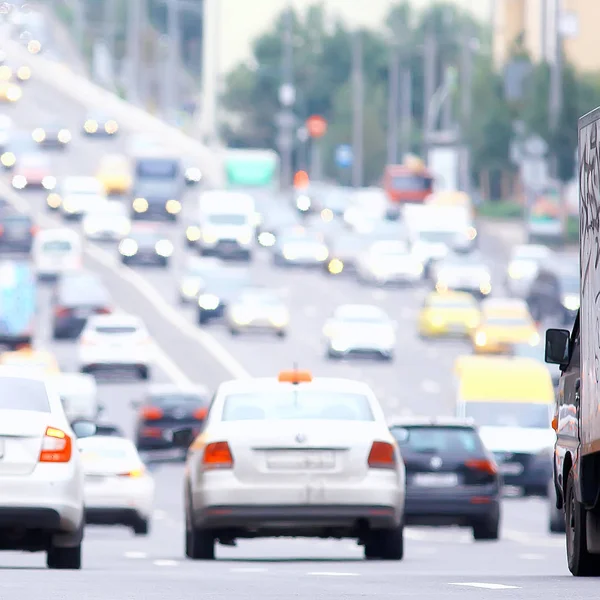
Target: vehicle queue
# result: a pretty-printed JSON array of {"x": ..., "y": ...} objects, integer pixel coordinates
[{"x": 367, "y": 483}]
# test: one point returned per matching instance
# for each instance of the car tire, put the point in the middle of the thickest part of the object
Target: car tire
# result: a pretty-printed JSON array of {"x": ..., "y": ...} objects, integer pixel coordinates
[
  {"x": 202, "y": 318},
  {"x": 386, "y": 544},
  {"x": 64, "y": 558},
  {"x": 141, "y": 526},
  {"x": 487, "y": 529},
  {"x": 164, "y": 263},
  {"x": 331, "y": 355},
  {"x": 199, "y": 544},
  {"x": 144, "y": 372},
  {"x": 281, "y": 333}
]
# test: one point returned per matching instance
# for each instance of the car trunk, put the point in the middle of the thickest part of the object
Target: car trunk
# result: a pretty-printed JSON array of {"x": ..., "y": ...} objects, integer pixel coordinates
[{"x": 21, "y": 435}]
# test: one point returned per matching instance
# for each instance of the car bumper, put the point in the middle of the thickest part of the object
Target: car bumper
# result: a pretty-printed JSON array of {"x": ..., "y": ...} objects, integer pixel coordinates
[
  {"x": 17, "y": 245},
  {"x": 347, "y": 348},
  {"x": 258, "y": 326},
  {"x": 113, "y": 516},
  {"x": 15, "y": 340},
  {"x": 394, "y": 278},
  {"x": 130, "y": 496},
  {"x": 526, "y": 471},
  {"x": 225, "y": 250},
  {"x": 145, "y": 259},
  {"x": 115, "y": 359},
  {"x": 448, "y": 328}
]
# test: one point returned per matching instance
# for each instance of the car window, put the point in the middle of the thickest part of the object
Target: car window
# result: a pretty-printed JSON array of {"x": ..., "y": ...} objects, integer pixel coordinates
[
  {"x": 177, "y": 399},
  {"x": 439, "y": 440},
  {"x": 57, "y": 246},
  {"x": 23, "y": 394},
  {"x": 118, "y": 329},
  {"x": 297, "y": 405}
]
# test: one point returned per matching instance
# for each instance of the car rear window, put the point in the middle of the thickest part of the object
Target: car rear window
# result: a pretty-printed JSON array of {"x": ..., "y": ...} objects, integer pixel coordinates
[
  {"x": 118, "y": 329},
  {"x": 297, "y": 405},
  {"x": 57, "y": 246},
  {"x": 18, "y": 393},
  {"x": 177, "y": 399},
  {"x": 438, "y": 440}
]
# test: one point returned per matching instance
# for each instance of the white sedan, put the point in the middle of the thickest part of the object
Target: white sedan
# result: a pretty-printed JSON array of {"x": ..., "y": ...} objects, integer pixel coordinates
[
  {"x": 109, "y": 221},
  {"x": 41, "y": 475},
  {"x": 294, "y": 457},
  {"x": 118, "y": 489},
  {"x": 80, "y": 195},
  {"x": 389, "y": 262}
]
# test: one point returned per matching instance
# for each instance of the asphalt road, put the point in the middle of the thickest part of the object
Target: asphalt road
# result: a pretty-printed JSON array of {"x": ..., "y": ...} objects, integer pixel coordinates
[{"x": 527, "y": 562}]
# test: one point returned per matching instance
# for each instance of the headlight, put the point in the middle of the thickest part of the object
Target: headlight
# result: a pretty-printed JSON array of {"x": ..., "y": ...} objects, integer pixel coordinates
[
  {"x": 244, "y": 239},
  {"x": 322, "y": 254},
  {"x": 480, "y": 338},
  {"x": 34, "y": 46},
  {"x": 128, "y": 247},
  {"x": 303, "y": 203},
  {"x": 14, "y": 93},
  {"x": 266, "y": 239},
  {"x": 8, "y": 159},
  {"x": 90, "y": 228},
  {"x": 53, "y": 200},
  {"x": 64, "y": 136},
  {"x": 164, "y": 248},
  {"x": 23, "y": 73},
  {"x": 289, "y": 254},
  {"x": 190, "y": 288},
  {"x": 5, "y": 73},
  {"x": 571, "y": 302},
  {"x": 90, "y": 126},
  {"x": 534, "y": 340},
  {"x": 192, "y": 233},
  {"x": 49, "y": 182},
  {"x": 173, "y": 207},
  {"x": 514, "y": 272},
  {"x": 339, "y": 346},
  {"x": 327, "y": 215},
  {"x": 208, "y": 301},
  {"x": 241, "y": 316},
  {"x": 19, "y": 182},
  {"x": 256, "y": 219},
  {"x": 38, "y": 135},
  {"x": 417, "y": 269},
  {"x": 485, "y": 288},
  {"x": 140, "y": 205},
  {"x": 69, "y": 206},
  {"x": 335, "y": 266},
  {"x": 471, "y": 233},
  {"x": 209, "y": 238},
  {"x": 111, "y": 127},
  {"x": 193, "y": 174}
]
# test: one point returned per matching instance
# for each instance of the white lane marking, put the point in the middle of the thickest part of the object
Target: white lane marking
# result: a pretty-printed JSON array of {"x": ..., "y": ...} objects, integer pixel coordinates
[
  {"x": 488, "y": 586},
  {"x": 532, "y": 556},
  {"x": 135, "y": 555},
  {"x": 332, "y": 574},
  {"x": 165, "y": 563},
  {"x": 430, "y": 387},
  {"x": 248, "y": 570},
  {"x": 128, "y": 275}
]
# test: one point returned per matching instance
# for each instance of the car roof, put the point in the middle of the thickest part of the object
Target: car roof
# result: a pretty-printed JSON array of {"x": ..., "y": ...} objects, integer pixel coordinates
[
  {"x": 115, "y": 319},
  {"x": 504, "y": 304},
  {"x": 58, "y": 233},
  {"x": 270, "y": 384},
  {"x": 438, "y": 421}
]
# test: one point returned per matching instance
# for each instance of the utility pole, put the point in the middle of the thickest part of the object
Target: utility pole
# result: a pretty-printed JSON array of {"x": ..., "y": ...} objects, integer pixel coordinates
[
  {"x": 80, "y": 23},
  {"x": 393, "y": 102},
  {"x": 466, "y": 75},
  {"x": 171, "y": 77},
  {"x": 210, "y": 70},
  {"x": 357, "y": 109},
  {"x": 134, "y": 38},
  {"x": 287, "y": 99},
  {"x": 555, "y": 100},
  {"x": 429, "y": 58},
  {"x": 406, "y": 110}
]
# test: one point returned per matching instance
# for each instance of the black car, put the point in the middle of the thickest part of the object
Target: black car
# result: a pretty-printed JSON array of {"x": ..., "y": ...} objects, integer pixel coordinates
[
  {"x": 555, "y": 291},
  {"x": 344, "y": 249},
  {"x": 219, "y": 288},
  {"x": 78, "y": 296},
  {"x": 451, "y": 479},
  {"x": 17, "y": 231},
  {"x": 168, "y": 408},
  {"x": 273, "y": 222},
  {"x": 146, "y": 246},
  {"x": 100, "y": 125},
  {"x": 52, "y": 135}
]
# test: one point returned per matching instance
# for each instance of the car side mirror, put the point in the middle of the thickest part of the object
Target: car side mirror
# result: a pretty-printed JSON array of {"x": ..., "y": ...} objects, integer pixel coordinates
[
  {"x": 183, "y": 438},
  {"x": 136, "y": 403},
  {"x": 557, "y": 346},
  {"x": 83, "y": 429}
]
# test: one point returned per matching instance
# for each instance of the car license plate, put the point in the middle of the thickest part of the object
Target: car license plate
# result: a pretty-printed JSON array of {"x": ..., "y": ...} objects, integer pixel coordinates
[
  {"x": 301, "y": 460},
  {"x": 435, "y": 479},
  {"x": 511, "y": 469}
]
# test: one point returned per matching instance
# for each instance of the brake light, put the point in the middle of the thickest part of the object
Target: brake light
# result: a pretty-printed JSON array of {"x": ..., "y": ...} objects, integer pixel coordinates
[
  {"x": 56, "y": 446},
  {"x": 217, "y": 455},
  {"x": 1, "y": 230},
  {"x": 382, "y": 456},
  {"x": 151, "y": 413},
  {"x": 103, "y": 311},
  {"x": 201, "y": 413},
  {"x": 34, "y": 229},
  {"x": 61, "y": 311},
  {"x": 484, "y": 465},
  {"x": 134, "y": 473}
]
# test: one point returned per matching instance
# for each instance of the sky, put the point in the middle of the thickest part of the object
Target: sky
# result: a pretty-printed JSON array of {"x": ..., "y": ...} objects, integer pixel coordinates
[{"x": 242, "y": 21}]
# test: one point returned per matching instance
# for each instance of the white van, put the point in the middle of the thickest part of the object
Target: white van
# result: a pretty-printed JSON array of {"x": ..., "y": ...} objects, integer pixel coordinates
[
  {"x": 79, "y": 395},
  {"x": 56, "y": 251},
  {"x": 227, "y": 224}
]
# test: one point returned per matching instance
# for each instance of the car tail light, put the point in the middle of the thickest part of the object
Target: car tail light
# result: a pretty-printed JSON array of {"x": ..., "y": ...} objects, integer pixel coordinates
[
  {"x": 151, "y": 413},
  {"x": 34, "y": 229},
  {"x": 1, "y": 230},
  {"x": 217, "y": 455},
  {"x": 87, "y": 340},
  {"x": 482, "y": 465},
  {"x": 382, "y": 456},
  {"x": 201, "y": 413},
  {"x": 61, "y": 311},
  {"x": 56, "y": 446},
  {"x": 103, "y": 311},
  {"x": 135, "y": 473}
]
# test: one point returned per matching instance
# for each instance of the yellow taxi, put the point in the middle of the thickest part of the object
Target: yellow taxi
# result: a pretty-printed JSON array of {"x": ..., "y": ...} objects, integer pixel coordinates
[
  {"x": 9, "y": 91},
  {"x": 448, "y": 313},
  {"x": 31, "y": 359},
  {"x": 447, "y": 198},
  {"x": 504, "y": 323},
  {"x": 114, "y": 173}
]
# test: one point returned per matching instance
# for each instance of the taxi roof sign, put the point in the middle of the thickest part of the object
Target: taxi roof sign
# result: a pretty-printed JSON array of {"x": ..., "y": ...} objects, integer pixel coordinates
[{"x": 295, "y": 377}]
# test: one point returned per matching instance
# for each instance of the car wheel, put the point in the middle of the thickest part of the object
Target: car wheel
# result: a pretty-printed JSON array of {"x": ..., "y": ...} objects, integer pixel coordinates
[
  {"x": 141, "y": 526},
  {"x": 144, "y": 372},
  {"x": 164, "y": 263},
  {"x": 386, "y": 544},
  {"x": 199, "y": 544},
  {"x": 64, "y": 558},
  {"x": 332, "y": 355},
  {"x": 202, "y": 318},
  {"x": 281, "y": 333},
  {"x": 487, "y": 529}
]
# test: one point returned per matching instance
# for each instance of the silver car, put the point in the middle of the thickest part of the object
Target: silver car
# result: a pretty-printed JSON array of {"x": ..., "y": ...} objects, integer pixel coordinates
[
  {"x": 389, "y": 262},
  {"x": 360, "y": 329},
  {"x": 191, "y": 280},
  {"x": 258, "y": 310},
  {"x": 523, "y": 267},
  {"x": 463, "y": 273}
]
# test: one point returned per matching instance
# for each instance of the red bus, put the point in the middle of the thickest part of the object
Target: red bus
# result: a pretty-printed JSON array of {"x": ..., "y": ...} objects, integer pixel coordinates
[{"x": 409, "y": 182}]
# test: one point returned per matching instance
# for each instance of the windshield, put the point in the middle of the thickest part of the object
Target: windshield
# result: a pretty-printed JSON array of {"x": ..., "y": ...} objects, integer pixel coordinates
[
  {"x": 438, "y": 440},
  {"x": 117, "y": 329},
  {"x": 520, "y": 321},
  {"x": 157, "y": 168},
  {"x": 177, "y": 399},
  {"x": 411, "y": 183},
  {"x": 297, "y": 405},
  {"x": 509, "y": 414},
  {"x": 222, "y": 280},
  {"x": 227, "y": 219},
  {"x": 438, "y": 237},
  {"x": 146, "y": 237},
  {"x": 23, "y": 394}
]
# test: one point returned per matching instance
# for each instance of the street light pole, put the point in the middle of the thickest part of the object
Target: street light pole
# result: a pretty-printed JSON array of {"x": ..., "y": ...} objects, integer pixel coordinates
[
  {"x": 287, "y": 99},
  {"x": 555, "y": 100},
  {"x": 393, "y": 102},
  {"x": 357, "y": 109},
  {"x": 171, "y": 77},
  {"x": 134, "y": 24}
]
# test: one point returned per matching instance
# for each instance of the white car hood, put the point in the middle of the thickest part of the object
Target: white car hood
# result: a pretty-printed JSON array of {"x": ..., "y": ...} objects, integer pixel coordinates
[{"x": 517, "y": 439}]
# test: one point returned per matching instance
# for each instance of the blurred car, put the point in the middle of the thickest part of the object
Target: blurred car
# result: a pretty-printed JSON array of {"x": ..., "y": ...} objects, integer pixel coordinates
[
  {"x": 10, "y": 91},
  {"x": 276, "y": 220},
  {"x": 327, "y": 227},
  {"x": 22, "y": 73},
  {"x": 115, "y": 341},
  {"x": 108, "y": 221},
  {"x": 33, "y": 171},
  {"x": 523, "y": 266},
  {"x": 19, "y": 143},
  {"x": 31, "y": 360},
  {"x": 79, "y": 395},
  {"x": 77, "y": 196},
  {"x": 17, "y": 231},
  {"x": 219, "y": 288},
  {"x": 114, "y": 173},
  {"x": 52, "y": 135},
  {"x": 258, "y": 309},
  {"x": 537, "y": 352},
  {"x": 84, "y": 428},
  {"x": 366, "y": 207},
  {"x": 360, "y": 329},
  {"x": 334, "y": 202},
  {"x": 146, "y": 245},
  {"x": 504, "y": 322},
  {"x": 448, "y": 314},
  {"x": 343, "y": 437},
  {"x": 387, "y": 263},
  {"x": 299, "y": 247},
  {"x": 166, "y": 408},
  {"x": 77, "y": 297},
  {"x": 117, "y": 487},
  {"x": 554, "y": 293},
  {"x": 99, "y": 125},
  {"x": 56, "y": 251},
  {"x": 463, "y": 273},
  {"x": 42, "y": 500},
  {"x": 344, "y": 249},
  {"x": 451, "y": 479},
  {"x": 6, "y": 130},
  {"x": 192, "y": 277},
  {"x": 191, "y": 171}
]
